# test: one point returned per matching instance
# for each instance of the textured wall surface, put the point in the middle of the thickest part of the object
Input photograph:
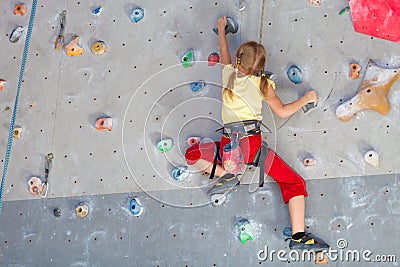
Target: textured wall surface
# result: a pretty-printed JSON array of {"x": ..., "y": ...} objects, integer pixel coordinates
[
  {"x": 362, "y": 210},
  {"x": 141, "y": 83}
]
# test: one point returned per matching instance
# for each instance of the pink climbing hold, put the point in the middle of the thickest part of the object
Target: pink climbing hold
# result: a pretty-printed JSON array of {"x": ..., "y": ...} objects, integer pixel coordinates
[
  {"x": 309, "y": 161},
  {"x": 193, "y": 140},
  {"x": 379, "y": 18}
]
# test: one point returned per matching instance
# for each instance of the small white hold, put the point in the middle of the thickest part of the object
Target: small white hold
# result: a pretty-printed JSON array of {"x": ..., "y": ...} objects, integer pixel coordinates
[
  {"x": 242, "y": 5},
  {"x": 82, "y": 210},
  {"x": 218, "y": 199},
  {"x": 17, "y": 132},
  {"x": 372, "y": 157},
  {"x": 309, "y": 161}
]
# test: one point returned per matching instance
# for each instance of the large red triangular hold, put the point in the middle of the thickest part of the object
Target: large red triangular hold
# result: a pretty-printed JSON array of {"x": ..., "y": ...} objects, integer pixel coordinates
[{"x": 378, "y": 18}]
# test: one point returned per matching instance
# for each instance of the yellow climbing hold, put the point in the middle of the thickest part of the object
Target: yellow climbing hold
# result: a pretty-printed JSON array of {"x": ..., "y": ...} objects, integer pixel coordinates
[{"x": 99, "y": 48}]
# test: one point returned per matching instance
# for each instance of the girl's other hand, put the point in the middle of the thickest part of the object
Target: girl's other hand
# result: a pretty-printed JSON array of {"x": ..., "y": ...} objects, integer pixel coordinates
[
  {"x": 221, "y": 23},
  {"x": 311, "y": 96}
]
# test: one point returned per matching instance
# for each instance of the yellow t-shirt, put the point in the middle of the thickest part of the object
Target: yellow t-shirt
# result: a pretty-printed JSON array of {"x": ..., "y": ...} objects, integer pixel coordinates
[{"x": 246, "y": 103}]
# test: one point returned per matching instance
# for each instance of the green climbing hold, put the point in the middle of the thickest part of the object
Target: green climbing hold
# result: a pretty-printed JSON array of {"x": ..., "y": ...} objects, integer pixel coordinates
[
  {"x": 165, "y": 145},
  {"x": 188, "y": 58},
  {"x": 344, "y": 10},
  {"x": 245, "y": 231}
]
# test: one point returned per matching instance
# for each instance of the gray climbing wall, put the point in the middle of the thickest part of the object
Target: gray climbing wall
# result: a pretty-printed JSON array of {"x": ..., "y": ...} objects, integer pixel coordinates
[{"x": 141, "y": 84}]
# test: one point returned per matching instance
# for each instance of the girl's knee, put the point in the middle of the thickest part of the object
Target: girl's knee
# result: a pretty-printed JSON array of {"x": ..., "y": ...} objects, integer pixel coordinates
[{"x": 192, "y": 154}]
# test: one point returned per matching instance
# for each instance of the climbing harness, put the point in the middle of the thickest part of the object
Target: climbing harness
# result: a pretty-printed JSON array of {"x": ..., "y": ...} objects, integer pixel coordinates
[
  {"x": 232, "y": 159},
  {"x": 14, "y": 114}
]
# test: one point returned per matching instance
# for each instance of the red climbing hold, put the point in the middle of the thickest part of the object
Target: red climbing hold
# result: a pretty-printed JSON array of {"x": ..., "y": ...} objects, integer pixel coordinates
[
  {"x": 379, "y": 18},
  {"x": 213, "y": 59}
]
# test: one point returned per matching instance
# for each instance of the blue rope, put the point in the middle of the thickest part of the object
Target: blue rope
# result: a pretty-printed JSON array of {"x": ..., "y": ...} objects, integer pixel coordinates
[{"x": 14, "y": 114}]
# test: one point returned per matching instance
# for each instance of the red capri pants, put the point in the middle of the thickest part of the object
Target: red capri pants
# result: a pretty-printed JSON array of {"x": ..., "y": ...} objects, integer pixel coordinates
[{"x": 290, "y": 183}]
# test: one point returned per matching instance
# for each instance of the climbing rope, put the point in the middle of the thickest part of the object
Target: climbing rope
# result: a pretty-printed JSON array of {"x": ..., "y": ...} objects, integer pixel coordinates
[
  {"x": 262, "y": 21},
  {"x": 260, "y": 41},
  {"x": 14, "y": 114}
]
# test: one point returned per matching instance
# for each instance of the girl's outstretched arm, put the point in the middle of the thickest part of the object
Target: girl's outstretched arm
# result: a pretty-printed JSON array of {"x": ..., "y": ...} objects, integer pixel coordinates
[
  {"x": 223, "y": 44},
  {"x": 285, "y": 110}
]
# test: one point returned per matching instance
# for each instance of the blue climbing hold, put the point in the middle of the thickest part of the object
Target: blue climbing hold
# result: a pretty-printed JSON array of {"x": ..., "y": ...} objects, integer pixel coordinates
[
  {"x": 180, "y": 173},
  {"x": 287, "y": 231},
  {"x": 136, "y": 207},
  {"x": 294, "y": 74},
  {"x": 137, "y": 14},
  {"x": 97, "y": 10},
  {"x": 197, "y": 86}
]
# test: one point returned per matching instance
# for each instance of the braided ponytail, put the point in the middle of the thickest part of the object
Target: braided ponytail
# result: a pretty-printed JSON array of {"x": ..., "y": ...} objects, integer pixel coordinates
[{"x": 251, "y": 56}]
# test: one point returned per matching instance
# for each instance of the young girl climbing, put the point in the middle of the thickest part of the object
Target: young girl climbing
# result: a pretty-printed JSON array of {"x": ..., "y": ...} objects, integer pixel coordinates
[{"x": 245, "y": 87}]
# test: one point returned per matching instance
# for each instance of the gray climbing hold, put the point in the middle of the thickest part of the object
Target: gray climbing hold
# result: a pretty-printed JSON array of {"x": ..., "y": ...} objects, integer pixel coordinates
[
  {"x": 57, "y": 212},
  {"x": 309, "y": 106},
  {"x": 16, "y": 34},
  {"x": 231, "y": 26}
]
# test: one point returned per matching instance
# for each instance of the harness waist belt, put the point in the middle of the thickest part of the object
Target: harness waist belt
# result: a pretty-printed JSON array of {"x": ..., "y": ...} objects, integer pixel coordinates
[{"x": 248, "y": 127}]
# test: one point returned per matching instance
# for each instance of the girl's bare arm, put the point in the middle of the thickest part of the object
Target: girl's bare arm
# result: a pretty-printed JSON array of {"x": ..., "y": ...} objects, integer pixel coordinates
[
  {"x": 285, "y": 110},
  {"x": 223, "y": 44}
]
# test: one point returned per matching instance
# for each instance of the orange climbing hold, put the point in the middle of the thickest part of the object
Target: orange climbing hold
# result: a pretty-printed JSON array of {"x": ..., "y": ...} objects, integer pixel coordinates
[
  {"x": 103, "y": 124},
  {"x": 372, "y": 94},
  {"x": 2, "y": 84},
  {"x": 354, "y": 71},
  {"x": 20, "y": 9},
  {"x": 315, "y": 2},
  {"x": 73, "y": 49},
  {"x": 321, "y": 258},
  {"x": 36, "y": 185}
]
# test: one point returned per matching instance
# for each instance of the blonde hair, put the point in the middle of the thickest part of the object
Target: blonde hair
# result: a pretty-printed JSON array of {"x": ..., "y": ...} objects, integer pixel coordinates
[{"x": 252, "y": 57}]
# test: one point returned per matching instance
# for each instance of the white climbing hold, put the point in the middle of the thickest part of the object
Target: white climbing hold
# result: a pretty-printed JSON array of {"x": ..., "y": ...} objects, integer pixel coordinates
[
  {"x": 309, "y": 161},
  {"x": 218, "y": 199},
  {"x": 82, "y": 210},
  {"x": 372, "y": 157}
]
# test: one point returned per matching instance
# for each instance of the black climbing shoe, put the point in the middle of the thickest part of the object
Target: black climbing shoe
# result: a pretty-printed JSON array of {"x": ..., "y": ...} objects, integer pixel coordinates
[{"x": 308, "y": 242}]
